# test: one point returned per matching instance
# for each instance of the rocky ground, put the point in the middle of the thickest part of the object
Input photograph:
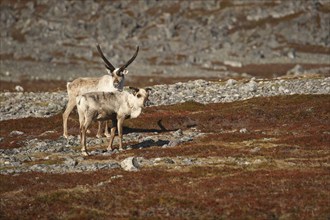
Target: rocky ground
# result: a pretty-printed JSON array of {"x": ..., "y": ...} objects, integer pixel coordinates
[
  {"x": 57, "y": 40},
  {"x": 20, "y": 105},
  {"x": 44, "y": 104}
]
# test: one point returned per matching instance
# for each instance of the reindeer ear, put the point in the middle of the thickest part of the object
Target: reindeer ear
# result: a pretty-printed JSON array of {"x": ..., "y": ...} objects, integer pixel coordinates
[
  {"x": 135, "y": 90},
  {"x": 148, "y": 89},
  {"x": 125, "y": 72}
]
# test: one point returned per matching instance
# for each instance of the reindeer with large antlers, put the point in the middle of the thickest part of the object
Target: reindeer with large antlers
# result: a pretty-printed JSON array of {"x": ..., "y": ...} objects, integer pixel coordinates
[{"x": 108, "y": 83}]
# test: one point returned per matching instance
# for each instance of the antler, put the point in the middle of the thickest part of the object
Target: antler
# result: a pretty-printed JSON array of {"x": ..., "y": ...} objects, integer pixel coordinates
[
  {"x": 108, "y": 65},
  {"x": 130, "y": 60}
]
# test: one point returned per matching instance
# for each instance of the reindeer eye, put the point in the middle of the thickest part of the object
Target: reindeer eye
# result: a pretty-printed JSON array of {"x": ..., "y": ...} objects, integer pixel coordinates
[{"x": 138, "y": 95}]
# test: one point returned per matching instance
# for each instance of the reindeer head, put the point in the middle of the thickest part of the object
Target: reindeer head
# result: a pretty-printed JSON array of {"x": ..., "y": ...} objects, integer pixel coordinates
[
  {"x": 141, "y": 95},
  {"x": 118, "y": 74}
]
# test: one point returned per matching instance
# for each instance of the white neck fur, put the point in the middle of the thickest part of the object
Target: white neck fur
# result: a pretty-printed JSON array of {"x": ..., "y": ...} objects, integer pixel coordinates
[{"x": 134, "y": 105}]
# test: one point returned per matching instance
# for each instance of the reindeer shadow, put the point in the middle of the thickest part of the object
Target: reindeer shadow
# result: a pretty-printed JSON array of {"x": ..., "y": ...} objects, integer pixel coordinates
[
  {"x": 150, "y": 143},
  {"x": 161, "y": 129}
]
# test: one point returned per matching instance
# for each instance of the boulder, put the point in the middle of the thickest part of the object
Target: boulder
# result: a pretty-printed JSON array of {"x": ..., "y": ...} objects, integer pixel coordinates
[{"x": 130, "y": 164}]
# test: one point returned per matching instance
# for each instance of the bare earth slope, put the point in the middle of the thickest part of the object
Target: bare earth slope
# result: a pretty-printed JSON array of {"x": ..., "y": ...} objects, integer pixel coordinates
[{"x": 57, "y": 40}]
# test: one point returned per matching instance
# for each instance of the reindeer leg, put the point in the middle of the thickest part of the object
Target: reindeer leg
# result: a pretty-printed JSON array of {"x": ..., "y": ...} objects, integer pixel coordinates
[
  {"x": 99, "y": 130},
  {"x": 112, "y": 135},
  {"x": 71, "y": 104},
  {"x": 106, "y": 129},
  {"x": 83, "y": 141},
  {"x": 120, "y": 132}
]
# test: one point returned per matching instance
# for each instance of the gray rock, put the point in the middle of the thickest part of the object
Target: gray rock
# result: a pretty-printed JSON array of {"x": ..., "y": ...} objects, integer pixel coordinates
[
  {"x": 296, "y": 70},
  {"x": 130, "y": 164},
  {"x": 165, "y": 160},
  {"x": 189, "y": 161},
  {"x": 16, "y": 133},
  {"x": 243, "y": 131},
  {"x": 233, "y": 63},
  {"x": 19, "y": 88},
  {"x": 251, "y": 86},
  {"x": 231, "y": 82},
  {"x": 292, "y": 54},
  {"x": 173, "y": 143},
  {"x": 178, "y": 133},
  {"x": 255, "y": 150},
  {"x": 70, "y": 162}
]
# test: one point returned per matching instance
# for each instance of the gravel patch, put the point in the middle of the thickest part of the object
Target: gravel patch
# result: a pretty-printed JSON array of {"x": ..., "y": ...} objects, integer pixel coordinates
[{"x": 16, "y": 105}]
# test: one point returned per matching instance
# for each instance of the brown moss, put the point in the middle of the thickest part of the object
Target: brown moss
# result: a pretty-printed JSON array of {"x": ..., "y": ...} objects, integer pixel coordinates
[
  {"x": 32, "y": 128},
  {"x": 271, "y": 70},
  {"x": 18, "y": 35},
  {"x": 198, "y": 193},
  {"x": 171, "y": 8}
]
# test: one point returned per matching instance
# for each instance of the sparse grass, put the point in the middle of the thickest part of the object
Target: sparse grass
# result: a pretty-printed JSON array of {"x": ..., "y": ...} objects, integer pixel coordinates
[
  {"x": 42, "y": 104},
  {"x": 46, "y": 162},
  {"x": 2, "y": 99}
]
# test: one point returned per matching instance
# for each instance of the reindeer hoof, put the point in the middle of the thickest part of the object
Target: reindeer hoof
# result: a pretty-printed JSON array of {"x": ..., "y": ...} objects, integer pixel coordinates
[
  {"x": 107, "y": 135},
  {"x": 98, "y": 135},
  {"x": 88, "y": 131},
  {"x": 84, "y": 153}
]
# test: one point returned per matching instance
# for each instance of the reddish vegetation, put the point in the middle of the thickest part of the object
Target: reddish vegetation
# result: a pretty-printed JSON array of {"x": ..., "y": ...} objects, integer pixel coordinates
[
  {"x": 291, "y": 133},
  {"x": 34, "y": 85},
  {"x": 56, "y": 85},
  {"x": 271, "y": 70},
  {"x": 199, "y": 193},
  {"x": 32, "y": 128}
]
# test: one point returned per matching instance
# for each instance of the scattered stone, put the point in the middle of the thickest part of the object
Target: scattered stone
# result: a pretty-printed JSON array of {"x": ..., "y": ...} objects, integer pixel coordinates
[
  {"x": 116, "y": 177},
  {"x": 231, "y": 82},
  {"x": 130, "y": 164},
  {"x": 16, "y": 133},
  {"x": 173, "y": 143},
  {"x": 255, "y": 150},
  {"x": 178, "y": 133},
  {"x": 295, "y": 71},
  {"x": 19, "y": 88},
  {"x": 70, "y": 162},
  {"x": 251, "y": 86},
  {"x": 163, "y": 160},
  {"x": 189, "y": 161},
  {"x": 292, "y": 54},
  {"x": 243, "y": 131},
  {"x": 233, "y": 63}
]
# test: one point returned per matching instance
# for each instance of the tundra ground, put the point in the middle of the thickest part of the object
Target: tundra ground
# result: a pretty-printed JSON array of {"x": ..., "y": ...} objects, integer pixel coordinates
[{"x": 261, "y": 158}]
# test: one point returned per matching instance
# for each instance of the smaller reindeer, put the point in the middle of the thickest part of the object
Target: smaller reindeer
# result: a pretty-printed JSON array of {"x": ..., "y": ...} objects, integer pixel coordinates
[
  {"x": 115, "y": 106},
  {"x": 107, "y": 83}
]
